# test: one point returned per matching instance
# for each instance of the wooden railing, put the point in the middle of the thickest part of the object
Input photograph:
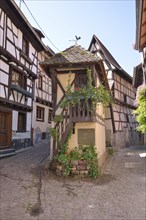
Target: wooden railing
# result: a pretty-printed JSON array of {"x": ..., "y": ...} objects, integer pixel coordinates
[
  {"x": 63, "y": 127},
  {"x": 83, "y": 111}
]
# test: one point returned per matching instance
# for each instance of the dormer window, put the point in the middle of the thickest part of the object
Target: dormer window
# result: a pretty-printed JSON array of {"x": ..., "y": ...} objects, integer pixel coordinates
[{"x": 25, "y": 46}]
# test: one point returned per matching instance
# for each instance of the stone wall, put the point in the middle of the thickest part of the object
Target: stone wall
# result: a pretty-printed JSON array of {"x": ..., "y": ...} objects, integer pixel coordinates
[{"x": 78, "y": 167}]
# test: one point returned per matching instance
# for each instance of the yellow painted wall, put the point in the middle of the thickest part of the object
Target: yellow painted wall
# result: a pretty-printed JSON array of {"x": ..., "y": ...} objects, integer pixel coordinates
[
  {"x": 63, "y": 78},
  {"x": 99, "y": 137}
]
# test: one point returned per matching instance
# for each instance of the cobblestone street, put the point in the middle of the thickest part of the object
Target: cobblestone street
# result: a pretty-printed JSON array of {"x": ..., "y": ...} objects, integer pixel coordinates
[{"x": 28, "y": 191}]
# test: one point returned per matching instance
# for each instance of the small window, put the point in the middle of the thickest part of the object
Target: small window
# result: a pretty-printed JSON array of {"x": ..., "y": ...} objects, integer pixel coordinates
[
  {"x": 80, "y": 81},
  {"x": 21, "y": 122},
  {"x": 40, "y": 82},
  {"x": 40, "y": 113},
  {"x": 25, "y": 46},
  {"x": 18, "y": 79},
  {"x": 50, "y": 115}
]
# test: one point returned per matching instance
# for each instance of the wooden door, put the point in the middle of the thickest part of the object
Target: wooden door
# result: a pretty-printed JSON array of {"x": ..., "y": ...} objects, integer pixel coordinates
[{"x": 5, "y": 129}]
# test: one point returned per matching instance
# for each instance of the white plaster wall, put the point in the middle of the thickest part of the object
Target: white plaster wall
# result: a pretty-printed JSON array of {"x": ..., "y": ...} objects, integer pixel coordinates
[
  {"x": 1, "y": 38},
  {"x": 19, "y": 39},
  {"x": 28, "y": 121},
  {"x": 29, "y": 102},
  {"x": 41, "y": 125},
  {"x": 9, "y": 34},
  {"x": 20, "y": 135},
  {"x": 14, "y": 120},
  {"x": 4, "y": 66},
  {"x": 10, "y": 48},
  {"x": 2, "y": 18},
  {"x": 2, "y": 92},
  {"x": 4, "y": 78}
]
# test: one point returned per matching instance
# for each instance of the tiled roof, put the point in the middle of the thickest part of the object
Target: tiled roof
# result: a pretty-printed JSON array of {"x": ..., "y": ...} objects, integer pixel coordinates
[{"x": 72, "y": 55}]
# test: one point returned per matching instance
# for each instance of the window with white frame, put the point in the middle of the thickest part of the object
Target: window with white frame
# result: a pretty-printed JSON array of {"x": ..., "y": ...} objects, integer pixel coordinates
[
  {"x": 40, "y": 113},
  {"x": 50, "y": 115},
  {"x": 21, "y": 122}
]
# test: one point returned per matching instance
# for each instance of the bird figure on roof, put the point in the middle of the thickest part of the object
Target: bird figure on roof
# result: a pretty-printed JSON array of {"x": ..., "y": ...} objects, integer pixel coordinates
[{"x": 77, "y": 38}]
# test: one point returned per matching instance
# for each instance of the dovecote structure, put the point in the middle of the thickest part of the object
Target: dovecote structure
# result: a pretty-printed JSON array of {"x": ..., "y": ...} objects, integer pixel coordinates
[
  {"x": 88, "y": 126},
  {"x": 21, "y": 90},
  {"x": 120, "y": 122}
]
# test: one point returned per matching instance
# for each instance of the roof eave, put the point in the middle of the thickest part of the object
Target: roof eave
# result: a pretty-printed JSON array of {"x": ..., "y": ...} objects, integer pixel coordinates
[{"x": 139, "y": 4}]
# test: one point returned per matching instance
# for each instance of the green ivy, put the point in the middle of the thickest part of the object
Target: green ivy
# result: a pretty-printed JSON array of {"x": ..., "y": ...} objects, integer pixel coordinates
[
  {"x": 140, "y": 112},
  {"x": 61, "y": 148},
  {"x": 90, "y": 155},
  {"x": 95, "y": 94},
  {"x": 58, "y": 118},
  {"x": 87, "y": 153}
]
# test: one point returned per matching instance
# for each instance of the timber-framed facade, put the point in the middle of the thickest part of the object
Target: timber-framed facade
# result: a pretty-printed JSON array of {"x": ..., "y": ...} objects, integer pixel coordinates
[
  {"x": 139, "y": 75},
  {"x": 21, "y": 50},
  {"x": 120, "y": 122},
  {"x": 140, "y": 43}
]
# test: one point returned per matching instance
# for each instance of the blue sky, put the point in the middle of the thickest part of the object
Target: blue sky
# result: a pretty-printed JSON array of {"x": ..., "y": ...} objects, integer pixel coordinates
[{"x": 112, "y": 21}]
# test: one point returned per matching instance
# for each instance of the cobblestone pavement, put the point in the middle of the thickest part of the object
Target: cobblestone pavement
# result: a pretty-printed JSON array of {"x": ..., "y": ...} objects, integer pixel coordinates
[{"x": 30, "y": 192}]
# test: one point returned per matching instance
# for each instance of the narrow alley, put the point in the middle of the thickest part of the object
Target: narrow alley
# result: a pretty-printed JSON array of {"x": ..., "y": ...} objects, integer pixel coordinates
[{"x": 29, "y": 191}]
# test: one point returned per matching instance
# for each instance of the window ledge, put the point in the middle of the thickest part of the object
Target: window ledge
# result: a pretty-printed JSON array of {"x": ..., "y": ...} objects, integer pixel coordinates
[{"x": 21, "y": 90}]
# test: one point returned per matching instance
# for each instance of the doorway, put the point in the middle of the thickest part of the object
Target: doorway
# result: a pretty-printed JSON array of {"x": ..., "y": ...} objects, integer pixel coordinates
[{"x": 5, "y": 129}]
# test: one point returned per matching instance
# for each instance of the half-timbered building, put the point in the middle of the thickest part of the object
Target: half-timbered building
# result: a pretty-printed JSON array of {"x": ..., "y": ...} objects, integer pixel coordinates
[
  {"x": 139, "y": 75},
  {"x": 120, "y": 122},
  {"x": 70, "y": 66},
  {"x": 140, "y": 43},
  {"x": 42, "y": 105},
  {"x": 22, "y": 81}
]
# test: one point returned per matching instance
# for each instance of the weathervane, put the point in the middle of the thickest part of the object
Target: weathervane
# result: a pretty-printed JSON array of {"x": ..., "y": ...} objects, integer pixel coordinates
[{"x": 76, "y": 40}]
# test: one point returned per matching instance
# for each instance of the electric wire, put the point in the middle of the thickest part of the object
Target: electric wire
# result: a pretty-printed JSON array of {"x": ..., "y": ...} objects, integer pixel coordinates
[
  {"x": 40, "y": 26},
  {"x": 42, "y": 29}
]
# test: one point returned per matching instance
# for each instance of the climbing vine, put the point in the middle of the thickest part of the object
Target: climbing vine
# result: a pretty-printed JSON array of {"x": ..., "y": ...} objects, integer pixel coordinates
[
  {"x": 140, "y": 112},
  {"x": 96, "y": 94}
]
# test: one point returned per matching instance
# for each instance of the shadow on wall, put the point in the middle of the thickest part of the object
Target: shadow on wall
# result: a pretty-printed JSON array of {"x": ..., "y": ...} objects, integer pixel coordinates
[
  {"x": 42, "y": 137},
  {"x": 124, "y": 138}
]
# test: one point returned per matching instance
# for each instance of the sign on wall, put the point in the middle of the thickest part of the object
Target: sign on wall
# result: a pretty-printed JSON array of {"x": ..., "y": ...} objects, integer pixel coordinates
[{"x": 86, "y": 136}]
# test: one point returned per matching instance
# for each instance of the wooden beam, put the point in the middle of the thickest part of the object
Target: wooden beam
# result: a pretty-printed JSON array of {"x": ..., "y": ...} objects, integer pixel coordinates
[{"x": 14, "y": 105}]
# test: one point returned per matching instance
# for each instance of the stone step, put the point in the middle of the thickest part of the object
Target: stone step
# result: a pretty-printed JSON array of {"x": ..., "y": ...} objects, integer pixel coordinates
[{"x": 7, "y": 152}]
